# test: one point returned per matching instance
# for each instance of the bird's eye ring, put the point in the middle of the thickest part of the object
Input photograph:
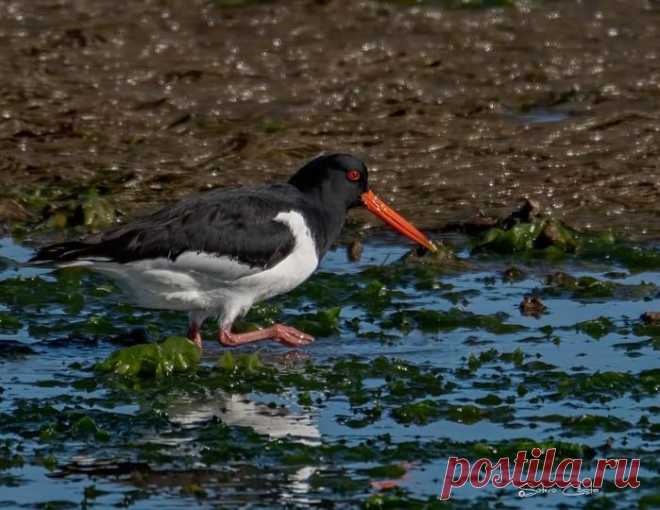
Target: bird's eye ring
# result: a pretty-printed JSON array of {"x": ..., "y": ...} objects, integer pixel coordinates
[{"x": 353, "y": 175}]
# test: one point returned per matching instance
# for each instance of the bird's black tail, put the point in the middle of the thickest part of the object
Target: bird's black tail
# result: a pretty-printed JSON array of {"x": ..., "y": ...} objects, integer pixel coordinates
[{"x": 62, "y": 252}]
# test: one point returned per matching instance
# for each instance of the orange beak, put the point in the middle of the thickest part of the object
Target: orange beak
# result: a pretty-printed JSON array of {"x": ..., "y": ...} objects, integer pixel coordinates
[{"x": 395, "y": 220}]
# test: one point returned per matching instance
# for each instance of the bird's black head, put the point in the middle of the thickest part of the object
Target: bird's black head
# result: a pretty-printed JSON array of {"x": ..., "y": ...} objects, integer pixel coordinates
[{"x": 337, "y": 180}]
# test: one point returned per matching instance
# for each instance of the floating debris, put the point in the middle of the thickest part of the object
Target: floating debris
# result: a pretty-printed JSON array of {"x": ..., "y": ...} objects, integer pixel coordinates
[
  {"x": 513, "y": 274},
  {"x": 444, "y": 258},
  {"x": 651, "y": 317},
  {"x": 354, "y": 250},
  {"x": 532, "y": 306}
]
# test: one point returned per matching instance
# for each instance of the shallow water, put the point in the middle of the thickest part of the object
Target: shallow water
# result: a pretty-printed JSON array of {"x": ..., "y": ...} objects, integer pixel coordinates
[{"x": 306, "y": 429}]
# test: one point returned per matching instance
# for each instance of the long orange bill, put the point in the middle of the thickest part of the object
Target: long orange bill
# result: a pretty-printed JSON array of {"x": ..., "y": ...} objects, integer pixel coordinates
[{"x": 395, "y": 220}]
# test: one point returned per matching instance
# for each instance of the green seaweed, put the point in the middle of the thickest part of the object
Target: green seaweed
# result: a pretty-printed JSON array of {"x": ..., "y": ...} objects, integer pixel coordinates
[
  {"x": 596, "y": 328},
  {"x": 588, "y": 287},
  {"x": 650, "y": 381},
  {"x": 433, "y": 321},
  {"x": 606, "y": 248},
  {"x": 489, "y": 400},
  {"x": 175, "y": 354},
  {"x": 9, "y": 323},
  {"x": 97, "y": 212},
  {"x": 526, "y": 230},
  {"x": 649, "y": 501},
  {"x": 523, "y": 232},
  {"x": 510, "y": 449},
  {"x": 11, "y": 349},
  {"x": 240, "y": 362},
  {"x": 599, "y": 386},
  {"x": 386, "y": 471},
  {"x": 337, "y": 483},
  {"x": 588, "y": 424},
  {"x": 475, "y": 362},
  {"x": 467, "y": 414},
  {"x": 86, "y": 426},
  {"x": 651, "y": 330},
  {"x": 322, "y": 323},
  {"x": 518, "y": 238},
  {"x": 9, "y": 457},
  {"x": 35, "y": 291},
  {"x": 375, "y": 297},
  {"x": 418, "y": 413},
  {"x": 60, "y": 208},
  {"x": 583, "y": 287}
]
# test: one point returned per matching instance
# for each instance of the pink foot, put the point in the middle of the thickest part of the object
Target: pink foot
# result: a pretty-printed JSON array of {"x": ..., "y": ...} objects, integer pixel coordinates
[
  {"x": 194, "y": 335},
  {"x": 286, "y": 335}
]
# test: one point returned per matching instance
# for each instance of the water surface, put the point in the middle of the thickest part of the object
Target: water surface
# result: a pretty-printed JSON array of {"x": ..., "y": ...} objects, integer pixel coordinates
[{"x": 307, "y": 430}]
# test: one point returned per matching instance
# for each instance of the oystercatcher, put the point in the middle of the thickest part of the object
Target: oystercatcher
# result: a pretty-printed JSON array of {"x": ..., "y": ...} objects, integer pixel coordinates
[{"x": 220, "y": 252}]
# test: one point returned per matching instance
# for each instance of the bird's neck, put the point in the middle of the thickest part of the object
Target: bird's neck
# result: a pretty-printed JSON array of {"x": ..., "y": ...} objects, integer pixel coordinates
[{"x": 332, "y": 215}]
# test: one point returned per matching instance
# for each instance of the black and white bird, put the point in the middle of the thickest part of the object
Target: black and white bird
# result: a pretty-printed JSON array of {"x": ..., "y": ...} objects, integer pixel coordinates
[{"x": 220, "y": 252}]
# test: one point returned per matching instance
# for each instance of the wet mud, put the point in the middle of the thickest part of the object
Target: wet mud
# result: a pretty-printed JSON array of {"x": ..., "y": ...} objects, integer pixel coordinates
[{"x": 455, "y": 110}]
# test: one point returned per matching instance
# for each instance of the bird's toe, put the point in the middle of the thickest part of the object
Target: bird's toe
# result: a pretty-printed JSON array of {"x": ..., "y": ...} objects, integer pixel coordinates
[{"x": 292, "y": 337}]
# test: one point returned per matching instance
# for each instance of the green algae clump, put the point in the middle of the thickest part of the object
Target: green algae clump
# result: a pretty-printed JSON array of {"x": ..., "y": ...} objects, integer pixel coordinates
[
  {"x": 434, "y": 321},
  {"x": 322, "y": 323},
  {"x": 596, "y": 328},
  {"x": 175, "y": 354},
  {"x": 527, "y": 229},
  {"x": 418, "y": 413},
  {"x": 583, "y": 287},
  {"x": 242, "y": 361},
  {"x": 9, "y": 323}
]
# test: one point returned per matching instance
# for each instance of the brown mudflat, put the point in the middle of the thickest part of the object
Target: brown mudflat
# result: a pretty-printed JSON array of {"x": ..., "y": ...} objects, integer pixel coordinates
[{"x": 455, "y": 110}]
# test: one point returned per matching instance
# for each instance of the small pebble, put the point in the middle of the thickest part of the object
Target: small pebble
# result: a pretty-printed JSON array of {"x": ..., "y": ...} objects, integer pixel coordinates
[
  {"x": 651, "y": 317},
  {"x": 532, "y": 306}
]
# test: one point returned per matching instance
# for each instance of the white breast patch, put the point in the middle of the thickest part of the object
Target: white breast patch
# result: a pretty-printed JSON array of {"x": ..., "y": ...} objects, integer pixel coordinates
[{"x": 295, "y": 268}]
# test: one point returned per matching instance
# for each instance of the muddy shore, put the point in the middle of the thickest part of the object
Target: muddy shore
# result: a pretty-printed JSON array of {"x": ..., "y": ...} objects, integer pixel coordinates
[{"x": 454, "y": 110}]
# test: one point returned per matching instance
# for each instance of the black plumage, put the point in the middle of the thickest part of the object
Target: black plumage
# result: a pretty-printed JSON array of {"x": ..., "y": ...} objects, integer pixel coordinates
[{"x": 238, "y": 223}]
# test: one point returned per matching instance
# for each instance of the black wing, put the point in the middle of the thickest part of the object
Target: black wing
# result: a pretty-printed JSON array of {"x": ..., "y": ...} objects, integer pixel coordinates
[{"x": 238, "y": 223}]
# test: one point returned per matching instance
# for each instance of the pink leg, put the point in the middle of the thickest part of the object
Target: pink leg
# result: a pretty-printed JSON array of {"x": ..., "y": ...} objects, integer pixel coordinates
[
  {"x": 286, "y": 335},
  {"x": 196, "y": 319},
  {"x": 194, "y": 335}
]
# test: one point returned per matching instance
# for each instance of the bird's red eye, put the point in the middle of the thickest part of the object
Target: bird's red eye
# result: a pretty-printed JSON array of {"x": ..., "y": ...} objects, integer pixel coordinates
[{"x": 353, "y": 175}]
